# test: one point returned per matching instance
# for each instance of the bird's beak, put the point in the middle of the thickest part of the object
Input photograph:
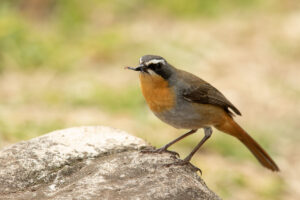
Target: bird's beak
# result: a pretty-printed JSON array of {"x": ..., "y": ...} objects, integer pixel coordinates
[{"x": 141, "y": 68}]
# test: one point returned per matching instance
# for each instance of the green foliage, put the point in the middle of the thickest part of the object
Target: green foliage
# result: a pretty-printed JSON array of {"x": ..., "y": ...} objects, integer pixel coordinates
[
  {"x": 111, "y": 100},
  {"x": 24, "y": 47},
  {"x": 57, "y": 35},
  {"x": 230, "y": 146},
  {"x": 13, "y": 132},
  {"x": 203, "y": 8},
  {"x": 71, "y": 15}
]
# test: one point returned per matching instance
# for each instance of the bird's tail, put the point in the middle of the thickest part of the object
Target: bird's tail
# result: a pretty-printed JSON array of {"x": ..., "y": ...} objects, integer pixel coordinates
[{"x": 232, "y": 128}]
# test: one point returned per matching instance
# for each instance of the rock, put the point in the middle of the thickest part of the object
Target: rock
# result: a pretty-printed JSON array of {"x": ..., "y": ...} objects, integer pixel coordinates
[{"x": 94, "y": 163}]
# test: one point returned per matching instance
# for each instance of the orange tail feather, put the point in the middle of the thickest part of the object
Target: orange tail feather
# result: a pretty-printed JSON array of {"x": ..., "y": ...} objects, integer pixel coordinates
[{"x": 232, "y": 128}]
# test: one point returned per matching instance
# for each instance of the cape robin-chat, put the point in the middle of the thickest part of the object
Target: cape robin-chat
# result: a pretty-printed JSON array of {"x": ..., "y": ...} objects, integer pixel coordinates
[{"x": 185, "y": 101}]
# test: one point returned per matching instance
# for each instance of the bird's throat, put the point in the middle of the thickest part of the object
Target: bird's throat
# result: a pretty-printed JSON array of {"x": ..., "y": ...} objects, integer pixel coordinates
[{"x": 158, "y": 95}]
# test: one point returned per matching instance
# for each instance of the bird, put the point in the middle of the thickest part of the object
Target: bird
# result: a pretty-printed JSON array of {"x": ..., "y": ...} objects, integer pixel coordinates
[{"x": 185, "y": 101}]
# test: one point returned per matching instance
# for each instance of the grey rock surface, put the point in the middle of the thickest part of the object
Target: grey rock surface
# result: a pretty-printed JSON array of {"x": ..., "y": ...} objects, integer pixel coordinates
[{"x": 94, "y": 163}]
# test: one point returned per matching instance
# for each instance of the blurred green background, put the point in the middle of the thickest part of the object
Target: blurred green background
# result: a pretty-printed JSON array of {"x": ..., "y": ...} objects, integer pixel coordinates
[{"x": 61, "y": 65}]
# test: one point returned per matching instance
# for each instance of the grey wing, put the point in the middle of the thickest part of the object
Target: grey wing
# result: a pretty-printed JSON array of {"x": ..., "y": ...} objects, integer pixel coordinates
[{"x": 205, "y": 93}]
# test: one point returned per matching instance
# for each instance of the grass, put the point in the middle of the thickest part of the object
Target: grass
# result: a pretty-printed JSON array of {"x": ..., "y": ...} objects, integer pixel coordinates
[
  {"x": 228, "y": 146},
  {"x": 12, "y": 132},
  {"x": 204, "y": 8},
  {"x": 111, "y": 100}
]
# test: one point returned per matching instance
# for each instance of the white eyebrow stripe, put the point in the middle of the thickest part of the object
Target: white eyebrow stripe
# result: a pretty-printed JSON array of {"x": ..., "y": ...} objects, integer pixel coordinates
[
  {"x": 140, "y": 60},
  {"x": 155, "y": 61}
]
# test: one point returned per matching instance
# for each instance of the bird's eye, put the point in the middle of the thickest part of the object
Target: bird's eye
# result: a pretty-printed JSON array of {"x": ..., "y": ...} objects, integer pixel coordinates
[{"x": 156, "y": 66}]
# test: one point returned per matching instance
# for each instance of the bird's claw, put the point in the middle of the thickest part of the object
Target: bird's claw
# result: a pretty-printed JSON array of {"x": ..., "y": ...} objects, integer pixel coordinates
[{"x": 160, "y": 150}]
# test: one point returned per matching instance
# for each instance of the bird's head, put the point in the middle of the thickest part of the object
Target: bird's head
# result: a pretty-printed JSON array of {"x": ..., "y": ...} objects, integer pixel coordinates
[{"x": 154, "y": 65}]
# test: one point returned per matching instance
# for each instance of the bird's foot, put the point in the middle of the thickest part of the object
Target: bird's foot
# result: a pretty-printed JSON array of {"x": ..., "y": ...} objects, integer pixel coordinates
[
  {"x": 160, "y": 150},
  {"x": 184, "y": 162}
]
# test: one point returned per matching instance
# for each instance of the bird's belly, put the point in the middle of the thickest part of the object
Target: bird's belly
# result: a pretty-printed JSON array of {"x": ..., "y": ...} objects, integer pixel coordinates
[{"x": 189, "y": 115}]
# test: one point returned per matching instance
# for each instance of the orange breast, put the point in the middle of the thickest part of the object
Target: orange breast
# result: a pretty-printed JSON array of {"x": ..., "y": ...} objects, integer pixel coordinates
[{"x": 157, "y": 92}]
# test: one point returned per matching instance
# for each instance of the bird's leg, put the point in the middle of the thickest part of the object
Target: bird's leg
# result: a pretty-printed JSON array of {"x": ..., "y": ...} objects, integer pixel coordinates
[
  {"x": 165, "y": 148},
  {"x": 207, "y": 133}
]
